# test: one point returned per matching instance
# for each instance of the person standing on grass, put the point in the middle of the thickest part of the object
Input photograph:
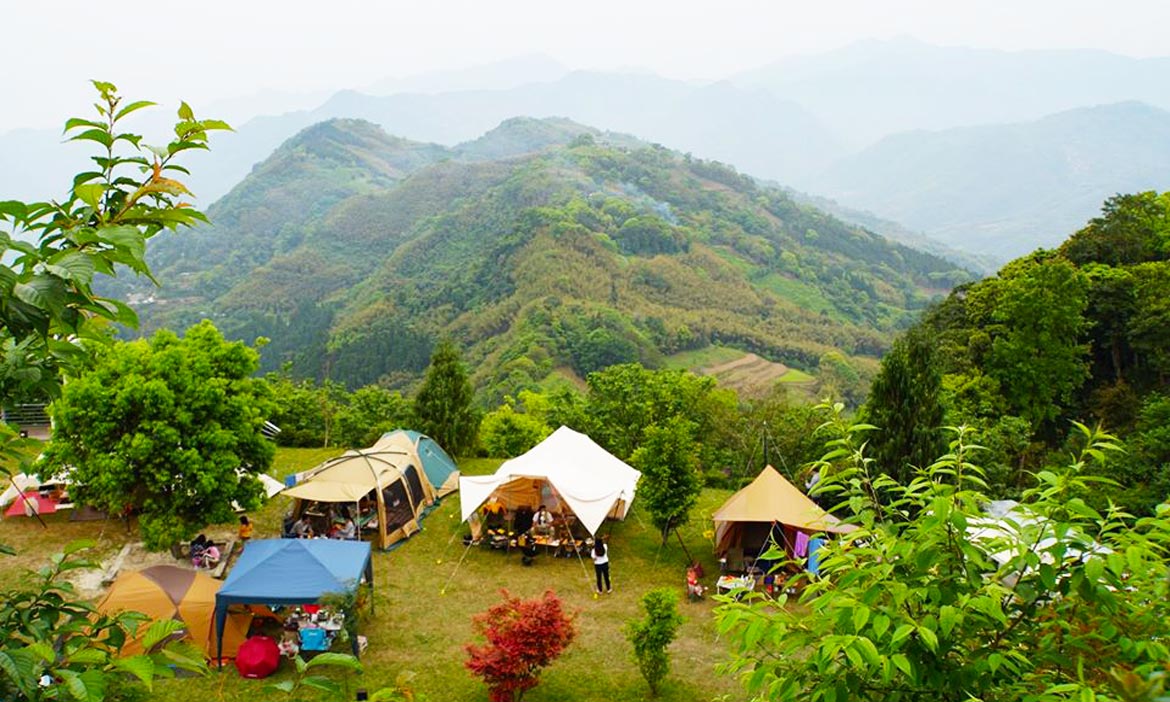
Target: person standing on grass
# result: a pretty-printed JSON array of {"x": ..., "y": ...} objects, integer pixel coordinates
[
  {"x": 601, "y": 565},
  {"x": 246, "y": 528}
]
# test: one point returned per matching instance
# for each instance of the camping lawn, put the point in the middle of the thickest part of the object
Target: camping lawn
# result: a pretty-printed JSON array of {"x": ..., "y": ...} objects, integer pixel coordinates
[{"x": 424, "y": 604}]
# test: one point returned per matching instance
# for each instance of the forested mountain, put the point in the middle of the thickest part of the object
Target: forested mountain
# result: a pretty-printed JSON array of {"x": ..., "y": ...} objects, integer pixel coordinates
[
  {"x": 1081, "y": 333},
  {"x": 1005, "y": 190},
  {"x": 543, "y": 248}
]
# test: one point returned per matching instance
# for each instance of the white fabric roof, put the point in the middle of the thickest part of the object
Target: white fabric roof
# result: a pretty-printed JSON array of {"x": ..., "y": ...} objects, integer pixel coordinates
[
  {"x": 590, "y": 480},
  {"x": 19, "y": 483},
  {"x": 272, "y": 486}
]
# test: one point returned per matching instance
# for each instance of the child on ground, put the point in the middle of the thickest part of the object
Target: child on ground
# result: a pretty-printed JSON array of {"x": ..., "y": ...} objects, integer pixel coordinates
[{"x": 246, "y": 528}]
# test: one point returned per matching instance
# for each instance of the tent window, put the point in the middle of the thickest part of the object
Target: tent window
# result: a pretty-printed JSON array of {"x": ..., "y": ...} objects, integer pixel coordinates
[
  {"x": 398, "y": 509},
  {"x": 415, "y": 485}
]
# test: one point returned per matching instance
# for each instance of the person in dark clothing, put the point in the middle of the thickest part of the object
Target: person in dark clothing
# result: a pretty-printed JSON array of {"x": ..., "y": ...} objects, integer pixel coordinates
[{"x": 601, "y": 565}]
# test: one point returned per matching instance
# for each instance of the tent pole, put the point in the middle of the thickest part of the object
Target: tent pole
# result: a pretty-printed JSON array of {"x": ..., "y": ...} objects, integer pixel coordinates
[
  {"x": 443, "y": 590},
  {"x": 690, "y": 559},
  {"x": 34, "y": 509}
]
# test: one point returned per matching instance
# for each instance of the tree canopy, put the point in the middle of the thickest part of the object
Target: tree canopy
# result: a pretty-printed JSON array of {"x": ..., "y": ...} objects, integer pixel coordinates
[
  {"x": 170, "y": 428},
  {"x": 931, "y": 599},
  {"x": 444, "y": 404}
]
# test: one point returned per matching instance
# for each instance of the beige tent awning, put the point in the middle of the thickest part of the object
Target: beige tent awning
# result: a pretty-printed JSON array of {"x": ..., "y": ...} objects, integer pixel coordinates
[
  {"x": 350, "y": 477},
  {"x": 770, "y": 498}
]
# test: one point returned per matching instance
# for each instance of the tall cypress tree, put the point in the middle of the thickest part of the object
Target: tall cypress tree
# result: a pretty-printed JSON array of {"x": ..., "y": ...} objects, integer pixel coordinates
[
  {"x": 904, "y": 405},
  {"x": 443, "y": 404}
]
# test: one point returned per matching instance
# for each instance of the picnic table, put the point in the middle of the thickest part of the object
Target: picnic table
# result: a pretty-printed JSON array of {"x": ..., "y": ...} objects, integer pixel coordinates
[{"x": 732, "y": 583}]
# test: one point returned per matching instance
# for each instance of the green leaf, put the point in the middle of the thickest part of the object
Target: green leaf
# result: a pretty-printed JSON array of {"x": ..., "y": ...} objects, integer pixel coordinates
[
  {"x": 929, "y": 638},
  {"x": 320, "y": 682},
  {"x": 141, "y": 667},
  {"x": 215, "y": 124},
  {"x": 76, "y": 685},
  {"x": 860, "y": 617},
  {"x": 125, "y": 237},
  {"x": 75, "y": 122},
  {"x": 101, "y": 136},
  {"x": 285, "y": 686},
  {"x": 901, "y": 632},
  {"x": 18, "y": 669},
  {"x": 133, "y": 107},
  {"x": 14, "y": 209},
  {"x": 902, "y": 663},
  {"x": 73, "y": 265},
  {"x": 88, "y": 656},
  {"x": 185, "y": 112},
  {"x": 948, "y": 616},
  {"x": 43, "y": 650},
  {"x": 90, "y": 193},
  {"x": 160, "y": 631},
  {"x": 336, "y": 660}
]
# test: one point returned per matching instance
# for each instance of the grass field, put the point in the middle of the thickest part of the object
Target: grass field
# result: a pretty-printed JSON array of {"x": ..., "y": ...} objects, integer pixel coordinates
[{"x": 424, "y": 604}]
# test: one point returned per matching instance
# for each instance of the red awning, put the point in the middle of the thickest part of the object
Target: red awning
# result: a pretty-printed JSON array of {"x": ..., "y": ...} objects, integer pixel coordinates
[{"x": 29, "y": 504}]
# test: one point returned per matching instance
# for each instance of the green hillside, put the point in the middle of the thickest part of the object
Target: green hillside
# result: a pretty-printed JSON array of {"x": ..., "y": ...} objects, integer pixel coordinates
[{"x": 543, "y": 245}]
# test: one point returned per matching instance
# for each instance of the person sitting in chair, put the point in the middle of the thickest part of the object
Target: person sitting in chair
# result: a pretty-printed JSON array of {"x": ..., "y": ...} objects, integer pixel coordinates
[
  {"x": 527, "y": 548},
  {"x": 346, "y": 531},
  {"x": 290, "y": 640},
  {"x": 542, "y": 522},
  {"x": 302, "y": 528}
]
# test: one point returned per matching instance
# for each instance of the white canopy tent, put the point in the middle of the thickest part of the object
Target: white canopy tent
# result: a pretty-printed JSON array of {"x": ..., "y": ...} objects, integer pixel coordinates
[{"x": 587, "y": 479}]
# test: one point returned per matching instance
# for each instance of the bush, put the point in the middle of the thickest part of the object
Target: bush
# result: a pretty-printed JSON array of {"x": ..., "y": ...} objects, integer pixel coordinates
[
  {"x": 505, "y": 432},
  {"x": 523, "y": 636},
  {"x": 652, "y": 634}
]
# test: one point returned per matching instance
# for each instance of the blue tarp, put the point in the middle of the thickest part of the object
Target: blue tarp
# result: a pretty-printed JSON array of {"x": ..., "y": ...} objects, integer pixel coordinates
[{"x": 292, "y": 572}]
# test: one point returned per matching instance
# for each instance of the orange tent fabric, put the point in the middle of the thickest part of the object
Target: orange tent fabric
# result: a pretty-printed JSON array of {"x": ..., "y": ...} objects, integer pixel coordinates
[
  {"x": 171, "y": 592},
  {"x": 771, "y": 499}
]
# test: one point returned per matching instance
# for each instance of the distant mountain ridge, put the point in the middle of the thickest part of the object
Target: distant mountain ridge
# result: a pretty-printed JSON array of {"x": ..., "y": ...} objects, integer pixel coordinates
[
  {"x": 1007, "y": 189},
  {"x": 875, "y": 88},
  {"x": 799, "y": 122},
  {"x": 542, "y": 245}
]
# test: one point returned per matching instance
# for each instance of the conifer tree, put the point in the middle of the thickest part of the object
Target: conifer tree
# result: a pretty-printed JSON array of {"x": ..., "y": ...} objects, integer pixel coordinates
[
  {"x": 443, "y": 404},
  {"x": 904, "y": 403}
]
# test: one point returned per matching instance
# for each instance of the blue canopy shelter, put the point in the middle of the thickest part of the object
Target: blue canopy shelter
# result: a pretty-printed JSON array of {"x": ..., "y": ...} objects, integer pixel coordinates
[{"x": 292, "y": 572}]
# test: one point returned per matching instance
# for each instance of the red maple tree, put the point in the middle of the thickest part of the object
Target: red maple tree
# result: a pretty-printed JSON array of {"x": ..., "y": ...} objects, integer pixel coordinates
[{"x": 523, "y": 636}]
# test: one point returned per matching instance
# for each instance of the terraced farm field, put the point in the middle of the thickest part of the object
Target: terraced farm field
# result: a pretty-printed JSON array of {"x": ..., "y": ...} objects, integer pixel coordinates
[{"x": 751, "y": 374}]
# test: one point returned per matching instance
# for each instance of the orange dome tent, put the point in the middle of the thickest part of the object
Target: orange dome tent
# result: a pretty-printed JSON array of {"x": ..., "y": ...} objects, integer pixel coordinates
[{"x": 170, "y": 592}]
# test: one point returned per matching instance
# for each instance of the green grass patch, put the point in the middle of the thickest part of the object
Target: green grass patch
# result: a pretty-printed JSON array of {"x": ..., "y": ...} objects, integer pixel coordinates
[
  {"x": 795, "y": 375},
  {"x": 801, "y": 294},
  {"x": 705, "y": 357}
]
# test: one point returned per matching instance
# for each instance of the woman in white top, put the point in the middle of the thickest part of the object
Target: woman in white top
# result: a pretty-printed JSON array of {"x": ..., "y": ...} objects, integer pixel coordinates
[{"x": 601, "y": 565}]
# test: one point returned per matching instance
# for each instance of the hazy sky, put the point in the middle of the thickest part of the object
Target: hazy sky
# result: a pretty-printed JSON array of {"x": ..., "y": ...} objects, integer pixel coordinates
[{"x": 202, "y": 51}]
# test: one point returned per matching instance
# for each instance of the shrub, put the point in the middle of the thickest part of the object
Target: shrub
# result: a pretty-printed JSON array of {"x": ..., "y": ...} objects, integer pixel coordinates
[
  {"x": 523, "y": 636},
  {"x": 653, "y": 633}
]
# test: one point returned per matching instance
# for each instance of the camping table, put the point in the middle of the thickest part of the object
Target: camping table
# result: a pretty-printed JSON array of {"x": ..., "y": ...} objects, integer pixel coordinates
[{"x": 728, "y": 583}]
